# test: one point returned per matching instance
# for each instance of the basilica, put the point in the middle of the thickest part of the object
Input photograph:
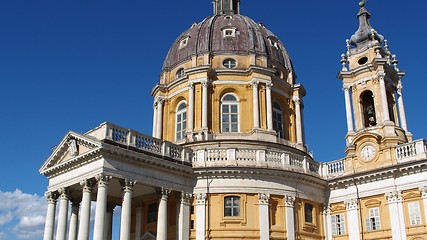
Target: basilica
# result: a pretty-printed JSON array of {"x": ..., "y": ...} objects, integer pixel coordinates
[{"x": 227, "y": 159}]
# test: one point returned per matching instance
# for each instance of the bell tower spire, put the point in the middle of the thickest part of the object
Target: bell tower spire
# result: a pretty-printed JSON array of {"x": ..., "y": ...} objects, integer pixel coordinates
[
  {"x": 372, "y": 85},
  {"x": 226, "y": 7}
]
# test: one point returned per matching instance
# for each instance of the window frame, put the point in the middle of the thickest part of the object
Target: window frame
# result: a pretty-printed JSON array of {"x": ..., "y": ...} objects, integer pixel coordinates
[
  {"x": 338, "y": 224},
  {"x": 278, "y": 125},
  {"x": 414, "y": 217},
  {"x": 230, "y": 103},
  {"x": 182, "y": 123},
  {"x": 373, "y": 222},
  {"x": 309, "y": 216},
  {"x": 229, "y": 63},
  {"x": 180, "y": 73},
  {"x": 232, "y": 207},
  {"x": 152, "y": 215}
]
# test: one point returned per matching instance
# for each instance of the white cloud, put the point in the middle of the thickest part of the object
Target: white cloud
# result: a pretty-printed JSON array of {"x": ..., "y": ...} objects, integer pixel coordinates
[{"x": 22, "y": 215}]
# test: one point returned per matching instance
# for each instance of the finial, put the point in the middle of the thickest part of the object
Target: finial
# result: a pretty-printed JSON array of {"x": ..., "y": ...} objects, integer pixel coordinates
[
  {"x": 344, "y": 62},
  {"x": 362, "y": 3},
  {"x": 347, "y": 42},
  {"x": 395, "y": 62}
]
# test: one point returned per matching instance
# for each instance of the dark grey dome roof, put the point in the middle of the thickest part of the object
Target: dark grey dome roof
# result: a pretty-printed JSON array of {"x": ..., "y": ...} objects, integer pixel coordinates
[{"x": 207, "y": 37}]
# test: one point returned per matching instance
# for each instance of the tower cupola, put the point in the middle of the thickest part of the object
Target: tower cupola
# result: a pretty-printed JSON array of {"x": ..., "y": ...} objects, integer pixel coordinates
[
  {"x": 365, "y": 34},
  {"x": 226, "y": 7}
]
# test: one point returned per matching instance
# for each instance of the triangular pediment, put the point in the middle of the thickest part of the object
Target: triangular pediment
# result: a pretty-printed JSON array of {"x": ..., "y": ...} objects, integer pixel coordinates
[
  {"x": 148, "y": 236},
  {"x": 72, "y": 146}
]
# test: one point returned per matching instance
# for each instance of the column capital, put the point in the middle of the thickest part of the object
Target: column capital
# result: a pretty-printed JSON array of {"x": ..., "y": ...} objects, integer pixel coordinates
[
  {"x": 327, "y": 209},
  {"x": 394, "y": 197},
  {"x": 269, "y": 85},
  {"x": 87, "y": 185},
  {"x": 423, "y": 191},
  {"x": 164, "y": 193},
  {"x": 254, "y": 83},
  {"x": 289, "y": 201},
  {"x": 52, "y": 196},
  {"x": 191, "y": 85},
  {"x": 297, "y": 100},
  {"x": 65, "y": 193},
  {"x": 205, "y": 82},
  {"x": 346, "y": 88},
  {"x": 127, "y": 185},
  {"x": 381, "y": 75},
  {"x": 185, "y": 198},
  {"x": 201, "y": 198},
  {"x": 263, "y": 198},
  {"x": 103, "y": 180},
  {"x": 351, "y": 204}
]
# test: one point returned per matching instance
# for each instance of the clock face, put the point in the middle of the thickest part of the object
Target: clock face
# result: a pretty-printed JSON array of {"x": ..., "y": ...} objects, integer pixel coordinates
[{"x": 368, "y": 152}]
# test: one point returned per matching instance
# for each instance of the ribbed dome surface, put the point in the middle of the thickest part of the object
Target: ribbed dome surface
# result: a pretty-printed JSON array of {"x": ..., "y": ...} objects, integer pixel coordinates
[{"x": 208, "y": 37}]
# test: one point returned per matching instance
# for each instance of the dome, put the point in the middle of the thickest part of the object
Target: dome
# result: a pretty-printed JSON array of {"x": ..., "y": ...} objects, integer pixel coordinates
[{"x": 227, "y": 34}]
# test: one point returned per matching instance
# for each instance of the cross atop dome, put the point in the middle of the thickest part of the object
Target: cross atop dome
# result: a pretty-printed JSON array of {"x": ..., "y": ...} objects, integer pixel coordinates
[{"x": 226, "y": 7}]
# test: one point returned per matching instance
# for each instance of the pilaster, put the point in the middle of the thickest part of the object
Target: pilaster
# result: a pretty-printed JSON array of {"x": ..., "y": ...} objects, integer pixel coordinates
[
  {"x": 264, "y": 223},
  {"x": 289, "y": 216},
  {"x": 352, "y": 207},
  {"x": 200, "y": 215},
  {"x": 397, "y": 222}
]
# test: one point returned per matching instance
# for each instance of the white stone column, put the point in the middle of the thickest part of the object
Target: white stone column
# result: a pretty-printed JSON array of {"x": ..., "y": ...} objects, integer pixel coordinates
[
  {"x": 50, "y": 215},
  {"x": 159, "y": 117},
  {"x": 125, "y": 221},
  {"x": 348, "y": 109},
  {"x": 108, "y": 230},
  {"x": 255, "y": 103},
  {"x": 190, "y": 112},
  {"x": 397, "y": 221},
  {"x": 61, "y": 231},
  {"x": 74, "y": 219},
  {"x": 162, "y": 215},
  {"x": 264, "y": 223},
  {"x": 423, "y": 191},
  {"x": 101, "y": 207},
  {"x": 352, "y": 219},
  {"x": 201, "y": 216},
  {"x": 154, "y": 132},
  {"x": 327, "y": 219},
  {"x": 205, "y": 85},
  {"x": 138, "y": 221},
  {"x": 298, "y": 120},
  {"x": 402, "y": 115},
  {"x": 183, "y": 225},
  {"x": 289, "y": 217},
  {"x": 268, "y": 87},
  {"x": 384, "y": 101},
  {"x": 84, "y": 223}
]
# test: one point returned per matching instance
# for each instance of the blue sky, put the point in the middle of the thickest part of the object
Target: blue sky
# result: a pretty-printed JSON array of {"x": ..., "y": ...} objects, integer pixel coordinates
[{"x": 71, "y": 65}]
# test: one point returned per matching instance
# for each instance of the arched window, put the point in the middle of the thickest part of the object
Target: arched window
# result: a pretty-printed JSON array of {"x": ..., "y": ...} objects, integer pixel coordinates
[
  {"x": 231, "y": 206},
  {"x": 180, "y": 73},
  {"x": 368, "y": 108},
  {"x": 181, "y": 120},
  {"x": 391, "y": 103},
  {"x": 229, "y": 113},
  {"x": 277, "y": 119}
]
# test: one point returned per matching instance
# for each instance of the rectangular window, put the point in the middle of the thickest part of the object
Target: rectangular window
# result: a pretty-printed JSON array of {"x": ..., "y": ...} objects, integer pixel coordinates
[
  {"x": 414, "y": 213},
  {"x": 231, "y": 206},
  {"x": 152, "y": 213},
  {"x": 373, "y": 222},
  {"x": 338, "y": 224},
  {"x": 308, "y": 213}
]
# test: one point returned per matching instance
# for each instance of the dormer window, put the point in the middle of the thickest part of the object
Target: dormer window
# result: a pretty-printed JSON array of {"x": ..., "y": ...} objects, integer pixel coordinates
[
  {"x": 229, "y": 32},
  {"x": 274, "y": 42},
  {"x": 183, "y": 43},
  {"x": 180, "y": 73},
  {"x": 229, "y": 63}
]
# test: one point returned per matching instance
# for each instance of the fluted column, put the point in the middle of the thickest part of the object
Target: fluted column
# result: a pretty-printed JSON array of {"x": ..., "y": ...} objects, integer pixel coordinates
[
  {"x": 255, "y": 103},
  {"x": 138, "y": 221},
  {"x": 423, "y": 191},
  {"x": 61, "y": 231},
  {"x": 398, "y": 230},
  {"x": 402, "y": 115},
  {"x": 264, "y": 223},
  {"x": 74, "y": 219},
  {"x": 159, "y": 117},
  {"x": 162, "y": 216},
  {"x": 190, "y": 122},
  {"x": 298, "y": 120},
  {"x": 84, "y": 223},
  {"x": 200, "y": 215},
  {"x": 205, "y": 85},
  {"x": 101, "y": 207},
  {"x": 126, "y": 209},
  {"x": 289, "y": 217},
  {"x": 383, "y": 92},
  {"x": 269, "y": 106},
  {"x": 184, "y": 216},
  {"x": 348, "y": 109},
  {"x": 50, "y": 215},
  {"x": 352, "y": 219}
]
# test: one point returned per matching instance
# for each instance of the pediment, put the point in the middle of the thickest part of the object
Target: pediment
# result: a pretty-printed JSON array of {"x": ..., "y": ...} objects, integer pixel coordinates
[
  {"x": 148, "y": 236},
  {"x": 412, "y": 195},
  {"x": 72, "y": 146},
  {"x": 338, "y": 208},
  {"x": 373, "y": 203}
]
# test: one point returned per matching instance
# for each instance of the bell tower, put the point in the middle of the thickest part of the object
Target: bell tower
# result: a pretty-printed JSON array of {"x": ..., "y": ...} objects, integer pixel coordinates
[{"x": 372, "y": 84}]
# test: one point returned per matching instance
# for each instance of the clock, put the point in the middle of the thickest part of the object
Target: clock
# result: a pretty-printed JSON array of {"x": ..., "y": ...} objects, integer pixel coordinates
[{"x": 368, "y": 152}]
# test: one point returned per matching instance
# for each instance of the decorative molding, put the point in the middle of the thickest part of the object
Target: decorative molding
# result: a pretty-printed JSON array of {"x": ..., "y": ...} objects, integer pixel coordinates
[
  {"x": 185, "y": 198},
  {"x": 52, "y": 197},
  {"x": 87, "y": 185},
  {"x": 65, "y": 193},
  {"x": 103, "y": 180},
  {"x": 263, "y": 198},
  {"x": 289, "y": 201},
  {"x": 351, "y": 204},
  {"x": 200, "y": 198},
  {"x": 423, "y": 191},
  {"x": 164, "y": 192},
  {"x": 394, "y": 197}
]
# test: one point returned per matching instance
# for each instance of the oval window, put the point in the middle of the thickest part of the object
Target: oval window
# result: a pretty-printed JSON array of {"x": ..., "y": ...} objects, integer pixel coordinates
[{"x": 363, "y": 60}]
